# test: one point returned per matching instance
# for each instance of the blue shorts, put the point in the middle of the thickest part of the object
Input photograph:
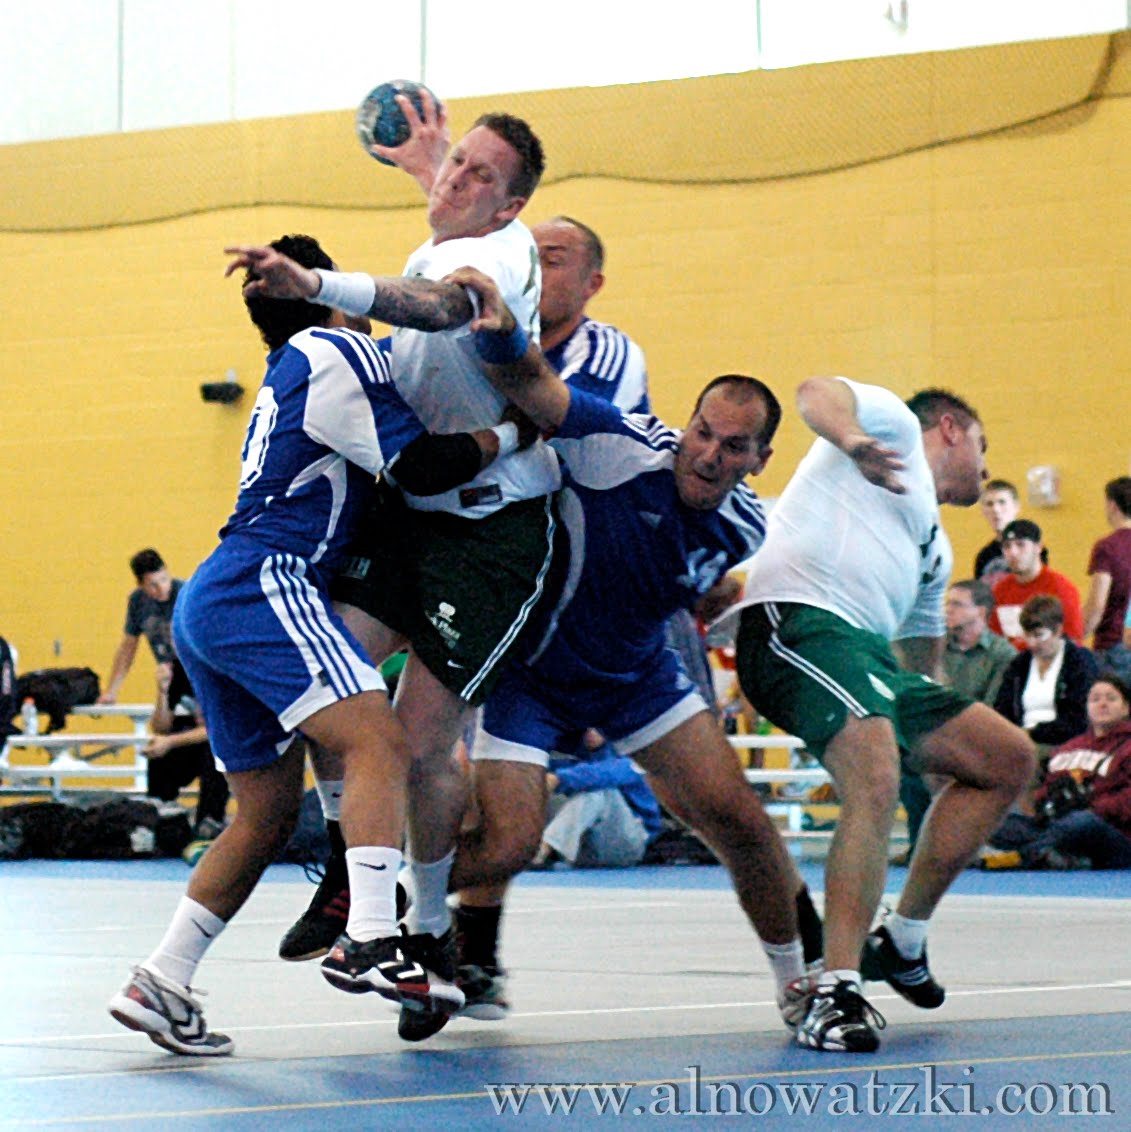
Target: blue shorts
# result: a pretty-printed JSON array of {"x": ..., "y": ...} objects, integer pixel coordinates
[
  {"x": 530, "y": 714},
  {"x": 263, "y": 649}
]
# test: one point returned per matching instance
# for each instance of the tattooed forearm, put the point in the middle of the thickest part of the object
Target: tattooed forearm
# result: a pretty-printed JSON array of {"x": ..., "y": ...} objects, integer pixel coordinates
[{"x": 420, "y": 304}]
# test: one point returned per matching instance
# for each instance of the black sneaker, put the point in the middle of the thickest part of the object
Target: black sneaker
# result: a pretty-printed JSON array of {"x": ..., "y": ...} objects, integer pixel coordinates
[
  {"x": 912, "y": 978},
  {"x": 316, "y": 930},
  {"x": 313, "y": 934},
  {"x": 438, "y": 955},
  {"x": 840, "y": 1018},
  {"x": 395, "y": 967},
  {"x": 485, "y": 993}
]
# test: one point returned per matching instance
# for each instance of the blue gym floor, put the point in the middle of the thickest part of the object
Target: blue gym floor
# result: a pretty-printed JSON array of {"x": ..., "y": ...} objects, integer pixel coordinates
[{"x": 644, "y": 985}]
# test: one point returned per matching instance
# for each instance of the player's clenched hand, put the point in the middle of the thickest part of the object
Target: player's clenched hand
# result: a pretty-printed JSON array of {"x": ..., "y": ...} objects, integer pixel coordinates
[
  {"x": 877, "y": 464},
  {"x": 494, "y": 314},
  {"x": 279, "y": 277}
]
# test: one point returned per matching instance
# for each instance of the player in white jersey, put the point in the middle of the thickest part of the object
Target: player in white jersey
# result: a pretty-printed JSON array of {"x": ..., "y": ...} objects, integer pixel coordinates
[
  {"x": 854, "y": 566},
  {"x": 267, "y": 656},
  {"x": 464, "y": 580}
]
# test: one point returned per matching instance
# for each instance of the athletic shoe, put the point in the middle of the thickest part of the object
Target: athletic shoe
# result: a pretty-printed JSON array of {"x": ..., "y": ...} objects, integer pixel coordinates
[
  {"x": 439, "y": 955},
  {"x": 795, "y": 999},
  {"x": 313, "y": 934},
  {"x": 485, "y": 993},
  {"x": 912, "y": 978},
  {"x": 394, "y": 966},
  {"x": 840, "y": 1018},
  {"x": 168, "y": 1014}
]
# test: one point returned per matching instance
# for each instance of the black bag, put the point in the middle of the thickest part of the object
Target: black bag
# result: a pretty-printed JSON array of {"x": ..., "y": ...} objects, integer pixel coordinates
[
  {"x": 94, "y": 828},
  {"x": 675, "y": 844},
  {"x": 1063, "y": 795},
  {"x": 35, "y": 829},
  {"x": 57, "y": 690}
]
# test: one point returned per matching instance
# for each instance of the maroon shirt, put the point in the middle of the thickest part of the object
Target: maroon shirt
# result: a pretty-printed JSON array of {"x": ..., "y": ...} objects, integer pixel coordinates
[{"x": 1112, "y": 555}]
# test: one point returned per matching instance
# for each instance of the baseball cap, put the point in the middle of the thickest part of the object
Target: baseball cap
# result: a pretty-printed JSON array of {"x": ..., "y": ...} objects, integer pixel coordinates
[{"x": 1021, "y": 528}]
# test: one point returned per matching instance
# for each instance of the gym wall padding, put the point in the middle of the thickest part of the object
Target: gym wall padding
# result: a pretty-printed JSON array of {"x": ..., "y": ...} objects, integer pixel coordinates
[{"x": 956, "y": 218}]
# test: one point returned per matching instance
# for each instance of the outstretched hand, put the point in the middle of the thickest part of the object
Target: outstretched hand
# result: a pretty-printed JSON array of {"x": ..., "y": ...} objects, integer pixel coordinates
[
  {"x": 494, "y": 314},
  {"x": 877, "y": 464},
  {"x": 422, "y": 154},
  {"x": 279, "y": 276}
]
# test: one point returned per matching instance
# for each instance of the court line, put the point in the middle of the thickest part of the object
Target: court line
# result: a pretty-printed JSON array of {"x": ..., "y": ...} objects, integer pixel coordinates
[
  {"x": 825, "y": 1070},
  {"x": 195, "y": 1063}
]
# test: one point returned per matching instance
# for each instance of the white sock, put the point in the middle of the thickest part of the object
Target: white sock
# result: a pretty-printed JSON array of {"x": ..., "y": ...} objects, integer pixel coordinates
[
  {"x": 787, "y": 961},
  {"x": 430, "y": 911},
  {"x": 909, "y": 936},
  {"x": 829, "y": 979},
  {"x": 373, "y": 892},
  {"x": 189, "y": 935},
  {"x": 330, "y": 795}
]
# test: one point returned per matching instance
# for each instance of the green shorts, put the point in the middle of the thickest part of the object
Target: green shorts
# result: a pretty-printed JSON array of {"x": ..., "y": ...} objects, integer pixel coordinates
[
  {"x": 463, "y": 591},
  {"x": 808, "y": 670}
]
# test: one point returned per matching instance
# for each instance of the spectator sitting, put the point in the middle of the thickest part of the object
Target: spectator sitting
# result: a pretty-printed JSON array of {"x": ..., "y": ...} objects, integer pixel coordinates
[
  {"x": 1045, "y": 689},
  {"x": 975, "y": 662},
  {"x": 1000, "y": 505},
  {"x": 1028, "y": 576},
  {"x": 975, "y": 659},
  {"x": 603, "y": 813},
  {"x": 149, "y": 612},
  {"x": 1107, "y": 604},
  {"x": 179, "y": 753},
  {"x": 1084, "y": 806}
]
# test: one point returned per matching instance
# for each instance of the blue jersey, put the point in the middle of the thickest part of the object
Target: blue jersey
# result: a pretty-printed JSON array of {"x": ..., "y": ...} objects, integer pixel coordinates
[
  {"x": 326, "y": 420},
  {"x": 637, "y": 553},
  {"x": 602, "y": 360}
]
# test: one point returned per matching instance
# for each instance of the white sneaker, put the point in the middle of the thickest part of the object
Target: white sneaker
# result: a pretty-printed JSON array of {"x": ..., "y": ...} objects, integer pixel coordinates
[{"x": 168, "y": 1014}]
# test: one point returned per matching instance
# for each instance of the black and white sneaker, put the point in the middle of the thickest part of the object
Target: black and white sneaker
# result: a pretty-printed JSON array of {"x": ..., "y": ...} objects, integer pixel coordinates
[
  {"x": 168, "y": 1014},
  {"x": 439, "y": 955},
  {"x": 395, "y": 967},
  {"x": 911, "y": 978},
  {"x": 313, "y": 934},
  {"x": 840, "y": 1018},
  {"x": 794, "y": 1000}
]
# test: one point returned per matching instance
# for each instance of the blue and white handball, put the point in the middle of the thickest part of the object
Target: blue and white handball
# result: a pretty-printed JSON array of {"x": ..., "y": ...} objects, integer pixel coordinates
[{"x": 381, "y": 121}]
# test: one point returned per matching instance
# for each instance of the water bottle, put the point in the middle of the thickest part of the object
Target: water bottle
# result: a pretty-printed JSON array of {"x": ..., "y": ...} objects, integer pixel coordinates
[{"x": 29, "y": 714}]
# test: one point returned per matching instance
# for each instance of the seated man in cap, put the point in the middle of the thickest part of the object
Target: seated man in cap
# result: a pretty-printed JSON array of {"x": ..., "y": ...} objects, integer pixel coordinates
[{"x": 1028, "y": 576}]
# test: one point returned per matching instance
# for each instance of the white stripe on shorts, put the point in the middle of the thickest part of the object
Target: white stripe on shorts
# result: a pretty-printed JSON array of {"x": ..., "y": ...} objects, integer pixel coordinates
[
  {"x": 811, "y": 670},
  {"x": 470, "y": 688},
  {"x": 302, "y": 613}
]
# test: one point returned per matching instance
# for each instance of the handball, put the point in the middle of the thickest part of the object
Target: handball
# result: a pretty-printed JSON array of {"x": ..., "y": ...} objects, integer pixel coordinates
[{"x": 380, "y": 121}]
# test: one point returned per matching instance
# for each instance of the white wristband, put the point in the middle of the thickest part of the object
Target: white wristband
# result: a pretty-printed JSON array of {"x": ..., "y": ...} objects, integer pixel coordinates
[
  {"x": 507, "y": 432},
  {"x": 350, "y": 291}
]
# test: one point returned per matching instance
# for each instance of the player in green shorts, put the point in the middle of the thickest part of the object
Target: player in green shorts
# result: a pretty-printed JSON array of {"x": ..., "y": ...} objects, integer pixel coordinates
[{"x": 840, "y": 641}]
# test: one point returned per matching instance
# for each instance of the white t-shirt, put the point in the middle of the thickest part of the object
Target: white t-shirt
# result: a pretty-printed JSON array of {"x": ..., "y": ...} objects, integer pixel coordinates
[
  {"x": 1038, "y": 697},
  {"x": 441, "y": 377},
  {"x": 837, "y": 542}
]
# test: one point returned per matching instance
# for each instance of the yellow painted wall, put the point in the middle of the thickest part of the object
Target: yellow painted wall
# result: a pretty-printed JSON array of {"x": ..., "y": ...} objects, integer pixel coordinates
[{"x": 851, "y": 228}]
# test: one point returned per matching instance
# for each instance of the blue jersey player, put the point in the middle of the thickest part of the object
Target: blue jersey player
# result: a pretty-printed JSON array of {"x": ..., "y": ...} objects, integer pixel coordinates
[
  {"x": 268, "y": 657},
  {"x": 656, "y": 517}
]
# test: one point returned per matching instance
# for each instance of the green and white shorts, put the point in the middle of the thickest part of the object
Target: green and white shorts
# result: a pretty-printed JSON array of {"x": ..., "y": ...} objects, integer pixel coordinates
[{"x": 807, "y": 670}]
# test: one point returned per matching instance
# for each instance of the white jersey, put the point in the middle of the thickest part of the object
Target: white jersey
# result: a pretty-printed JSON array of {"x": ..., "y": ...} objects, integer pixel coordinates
[
  {"x": 835, "y": 541},
  {"x": 441, "y": 376}
]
